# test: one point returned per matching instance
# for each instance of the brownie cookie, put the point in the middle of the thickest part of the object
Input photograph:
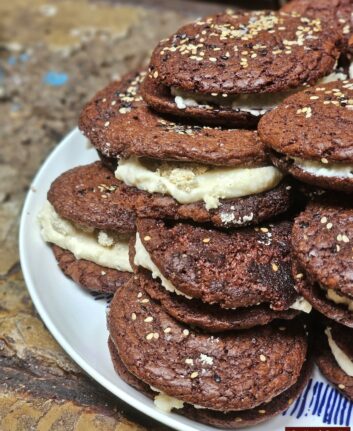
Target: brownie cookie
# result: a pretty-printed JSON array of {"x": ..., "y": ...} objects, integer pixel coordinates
[
  {"x": 238, "y": 371},
  {"x": 89, "y": 275},
  {"x": 119, "y": 124},
  {"x": 212, "y": 318},
  {"x": 322, "y": 245},
  {"x": 230, "y": 420},
  {"x": 338, "y": 11},
  {"x": 242, "y": 268},
  {"x": 334, "y": 356},
  {"x": 239, "y": 64},
  {"x": 311, "y": 135},
  {"x": 90, "y": 196},
  {"x": 94, "y": 198}
]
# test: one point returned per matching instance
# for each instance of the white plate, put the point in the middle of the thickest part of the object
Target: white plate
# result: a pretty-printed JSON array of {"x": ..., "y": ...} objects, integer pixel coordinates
[{"x": 78, "y": 322}]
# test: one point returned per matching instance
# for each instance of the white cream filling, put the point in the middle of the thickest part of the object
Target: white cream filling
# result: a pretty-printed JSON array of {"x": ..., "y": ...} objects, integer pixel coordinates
[
  {"x": 142, "y": 258},
  {"x": 99, "y": 247},
  {"x": 190, "y": 182},
  {"x": 165, "y": 403},
  {"x": 255, "y": 104},
  {"x": 345, "y": 363},
  {"x": 302, "y": 304},
  {"x": 339, "y": 299},
  {"x": 350, "y": 72},
  {"x": 319, "y": 169}
]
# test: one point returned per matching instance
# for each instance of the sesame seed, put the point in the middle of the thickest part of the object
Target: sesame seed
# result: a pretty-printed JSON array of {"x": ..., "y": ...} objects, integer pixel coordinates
[
  {"x": 314, "y": 97},
  {"x": 329, "y": 226},
  {"x": 106, "y": 124},
  {"x": 323, "y": 160},
  {"x": 323, "y": 220},
  {"x": 262, "y": 358},
  {"x": 156, "y": 335},
  {"x": 186, "y": 332},
  {"x": 155, "y": 74},
  {"x": 299, "y": 276},
  {"x": 139, "y": 295},
  {"x": 341, "y": 386},
  {"x": 147, "y": 238},
  {"x": 262, "y": 412},
  {"x": 167, "y": 330},
  {"x": 189, "y": 361},
  {"x": 345, "y": 238},
  {"x": 113, "y": 102},
  {"x": 148, "y": 319},
  {"x": 103, "y": 272},
  {"x": 145, "y": 301},
  {"x": 194, "y": 375},
  {"x": 149, "y": 336},
  {"x": 213, "y": 59},
  {"x": 274, "y": 267},
  {"x": 206, "y": 240},
  {"x": 133, "y": 316},
  {"x": 264, "y": 229}
]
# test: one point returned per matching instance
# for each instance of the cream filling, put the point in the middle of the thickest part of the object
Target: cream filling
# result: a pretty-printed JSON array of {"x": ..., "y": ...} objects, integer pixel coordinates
[
  {"x": 190, "y": 182},
  {"x": 339, "y": 299},
  {"x": 255, "y": 104},
  {"x": 322, "y": 169},
  {"x": 99, "y": 247},
  {"x": 165, "y": 403},
  {"x": 302, "y": 304},
  {"x": 345, "y": 363},
  {"x": 350, "y": 73},
  {"x": 143, "y": 258}
]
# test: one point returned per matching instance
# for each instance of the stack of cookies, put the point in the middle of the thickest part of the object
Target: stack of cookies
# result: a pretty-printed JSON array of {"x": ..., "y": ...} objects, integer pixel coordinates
[{"x": 188, "y": 216}]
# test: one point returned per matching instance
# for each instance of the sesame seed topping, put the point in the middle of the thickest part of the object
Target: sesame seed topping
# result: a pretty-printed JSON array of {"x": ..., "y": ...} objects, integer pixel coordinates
[
  {"x": 148, "y": 319},
  {"x": 274, "y": 267},
  {"x": 329, "y": 226},
  {"x": 206, "y": 240},
  {"x": 341, "y": 386},
  {"x": 186, "y": 332},
  {"x": 323, "y": 220},
  {"x": 147, "y": 238},
  {"x": 189, "y": 361},
  {"x": 106, "y": 124},
  {"x": 167, "y": 330},
  {"x": 145, "y": 301},
  {"x": 262, "y": 412},
  {"x": 133, "y": 316},
  {"x": 149, "y": 336},
  {"x": 194, "y": 375},
  {"x": 263, "y": 358},
  {"x": 323, "y": 160},
  {"x": 264, "y": 229}
]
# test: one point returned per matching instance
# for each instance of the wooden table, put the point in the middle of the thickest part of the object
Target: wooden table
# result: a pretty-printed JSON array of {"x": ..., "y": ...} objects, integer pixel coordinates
[{"x": 54, "y": 57}]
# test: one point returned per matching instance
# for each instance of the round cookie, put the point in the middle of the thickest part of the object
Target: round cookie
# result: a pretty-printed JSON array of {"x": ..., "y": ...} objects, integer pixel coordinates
[
  {"x": 242, "y": 268},
  {"x": 95, "y": 198},
  {"x": 339, "y": 11},
  {"x": 212, "y": 318},
  {"x": 123, "y": 129},
  {"x": 230, "y": 420},
  {"x": 90, "y": 196},
  {"x": 311, "y": 135},
  {"x": 322, "y": 246},
  {"x": 327, "y": 362},
  {"x": 237, "y": 54},
  {"x": 89, "y": 275},
  {"x": 200, "y": 369},
  {"x": 316, "y": 296}
]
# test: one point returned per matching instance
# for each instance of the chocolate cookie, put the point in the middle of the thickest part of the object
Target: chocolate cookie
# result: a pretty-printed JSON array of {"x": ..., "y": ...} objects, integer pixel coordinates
[
  {"x": 212, "y": 318},
  {"x": 322, "y": 245},
  {"x": 230, "y": 420},
  {"x": 326, "y": 361},
  {"x": 89, "y": 275},
  {"x": 317, "y": 297},
  {"x": 311, "y": 135},
  {"x": 119, "y": 124},
  {"x": 338, "y": 11},
  {"x": 238, "y": 371},
  {"x": 90, "y": 196},
  {"x": 94, "y": 197},
  {"x": 242, "y": 268},
  {"x": 220, "y": 61}
]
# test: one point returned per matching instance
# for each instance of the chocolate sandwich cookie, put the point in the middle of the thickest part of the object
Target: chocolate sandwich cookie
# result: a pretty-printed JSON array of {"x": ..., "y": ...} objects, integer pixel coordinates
[
  {"x": 211, "y": 318},
  {"x": 338, "y": 11},
  {"x": 322, "y": 246},
  {"x": 233, "y": 372},
  {"x": 231, "y": 68},
  {"x": 334, "y": 356},
  {"x": 311, "y": 135},
  {"x": 242, "y": 268},
  {"x": 96, "y": 198},
  {"x": 89, "y": 231},
  {"x": 230, "y": 420},
  {"x": 120, "y": 125},
  {"x": 89, "y": 275}
]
